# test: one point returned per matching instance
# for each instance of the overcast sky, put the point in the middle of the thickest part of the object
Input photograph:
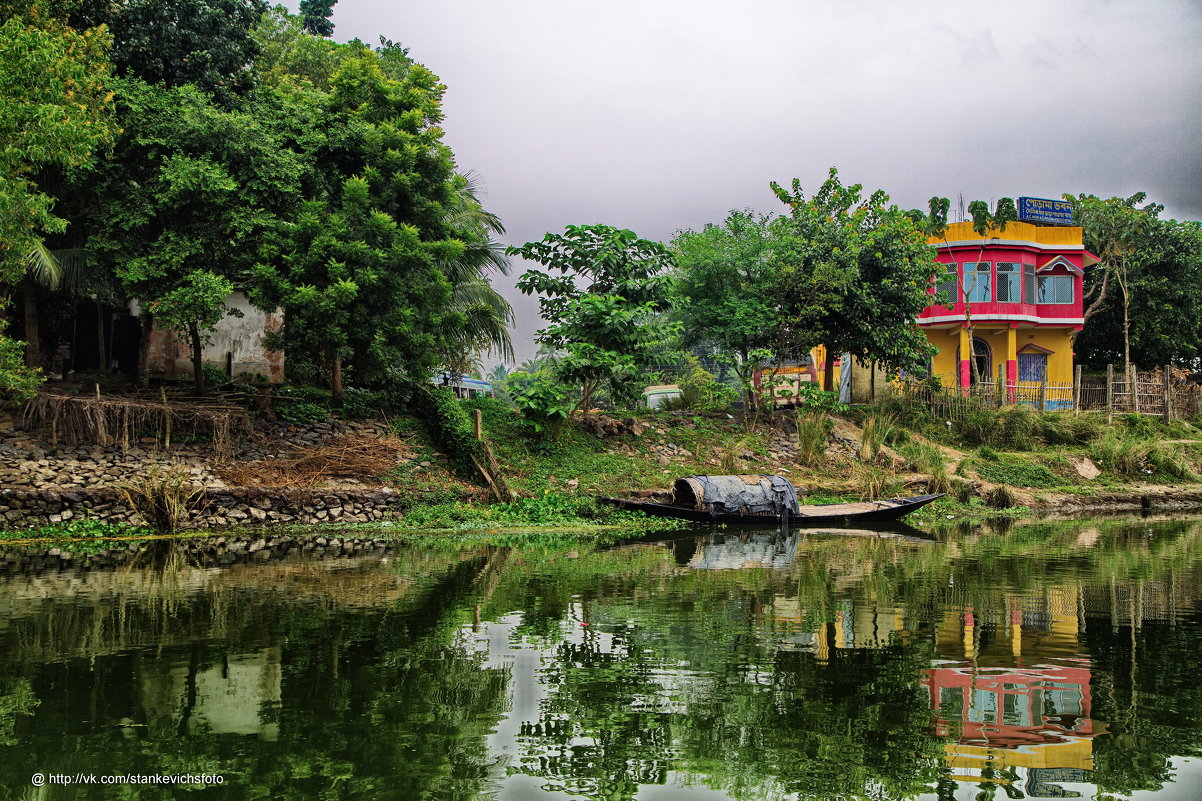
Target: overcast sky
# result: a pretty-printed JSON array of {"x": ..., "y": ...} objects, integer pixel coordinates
[{"x": 662, "y": 115}]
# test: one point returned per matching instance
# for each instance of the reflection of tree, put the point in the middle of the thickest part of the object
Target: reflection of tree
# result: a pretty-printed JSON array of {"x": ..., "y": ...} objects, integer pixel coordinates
[{"x": 359, "y": 682}]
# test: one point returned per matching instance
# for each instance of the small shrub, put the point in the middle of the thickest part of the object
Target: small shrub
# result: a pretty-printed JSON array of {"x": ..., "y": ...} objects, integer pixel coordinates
[
  {"x": 961, "y": 490},
  {"x": 873, "y": 482},
  {"x": 162, "y": 496},
  {"x": 875, "y": 431},
  {"x": 700, "y": 390},
  {"x": 986, "y": 452},
  {"x": 302, "y": 412},
  {"x": 359, "y": 404},
  {"x": 543, "y": 401},
  {"x": 1001, "y": 498},
  {"x": 813, "y": 433}
]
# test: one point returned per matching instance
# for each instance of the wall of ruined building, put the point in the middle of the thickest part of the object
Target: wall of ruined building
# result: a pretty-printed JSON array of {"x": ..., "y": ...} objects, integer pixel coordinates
[{"x": 236, "y": 345}]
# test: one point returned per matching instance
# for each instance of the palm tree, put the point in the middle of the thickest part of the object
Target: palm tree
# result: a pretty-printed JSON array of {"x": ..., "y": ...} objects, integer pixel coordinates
[{"x": 486, "y": 316}]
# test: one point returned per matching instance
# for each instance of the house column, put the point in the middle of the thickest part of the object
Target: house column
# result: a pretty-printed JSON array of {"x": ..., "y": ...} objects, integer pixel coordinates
[
  {"x": 965, "y": 359},
  {"x": 1011, "y": 364}
]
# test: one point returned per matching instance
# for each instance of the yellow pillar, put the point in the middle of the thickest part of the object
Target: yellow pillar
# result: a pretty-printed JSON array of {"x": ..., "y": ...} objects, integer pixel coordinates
[{"x": 1011, "y": 362}]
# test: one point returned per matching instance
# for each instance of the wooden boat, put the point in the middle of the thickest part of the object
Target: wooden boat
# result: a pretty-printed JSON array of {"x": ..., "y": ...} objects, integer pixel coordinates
[{"x": 763, "y": 499}]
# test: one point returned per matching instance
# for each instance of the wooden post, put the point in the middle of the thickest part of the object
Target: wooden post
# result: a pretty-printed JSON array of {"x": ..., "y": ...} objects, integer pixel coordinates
[
  {"x": 1043, "y": 393},
  {"x": 477, "y": 424},
  {"x": 1077, "y": 390},
  {"x": 1168, "y": 392},
  {"x": 1134, "y": 388},
  {"x": 1109, "y": 394},
  {"x": 1001, "y": 385}
]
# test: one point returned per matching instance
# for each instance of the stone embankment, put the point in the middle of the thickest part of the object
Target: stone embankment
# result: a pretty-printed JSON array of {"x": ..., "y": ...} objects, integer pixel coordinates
[
  {"x": 43, "y": 483},
  {"x": 203, "y": 552}
]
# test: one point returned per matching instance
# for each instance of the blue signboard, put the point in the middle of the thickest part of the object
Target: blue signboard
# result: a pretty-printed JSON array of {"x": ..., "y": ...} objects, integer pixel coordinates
[{"x": 1045, "y": 212}]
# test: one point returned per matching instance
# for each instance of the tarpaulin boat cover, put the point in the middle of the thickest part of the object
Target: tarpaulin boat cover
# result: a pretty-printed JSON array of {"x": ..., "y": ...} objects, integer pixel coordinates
[{"x": 748, "y": 495}]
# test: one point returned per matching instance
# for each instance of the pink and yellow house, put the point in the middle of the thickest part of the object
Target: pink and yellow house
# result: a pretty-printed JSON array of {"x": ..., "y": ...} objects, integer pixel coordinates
[{"x": 1014, "y": 303}]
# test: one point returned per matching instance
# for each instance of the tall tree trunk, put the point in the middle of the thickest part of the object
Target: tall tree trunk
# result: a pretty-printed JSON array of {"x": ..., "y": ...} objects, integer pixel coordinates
[
  {"x": 198, "y": 373},
  {"x": 1126, "y": 324},
  {"x": 101, "y": 344},
  {"x": 336, "y": 383},
  {"x": 33, "y": 344},
  {"x": 147, "y": 328},
  {"x": 586, "y": 401}
]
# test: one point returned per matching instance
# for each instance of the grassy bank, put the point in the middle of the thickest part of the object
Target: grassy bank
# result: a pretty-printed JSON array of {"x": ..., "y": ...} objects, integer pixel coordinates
[{"x": 992, "y": 463}]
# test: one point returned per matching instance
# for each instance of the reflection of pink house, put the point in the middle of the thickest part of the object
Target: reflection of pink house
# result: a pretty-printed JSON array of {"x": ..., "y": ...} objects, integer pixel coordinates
[{"x": 1011, "y": 707}]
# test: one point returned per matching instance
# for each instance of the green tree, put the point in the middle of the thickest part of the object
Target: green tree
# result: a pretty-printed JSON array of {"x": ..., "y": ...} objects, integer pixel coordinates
[
  {"x": 722, "y": 290},
  {"x": 190, "y": 193},
  {"x": 1165, "y": 317},
  {"x": 205, "y": 43},
  {"x": 603, "y": 295},
  {"x": 1114, "y": 230},
  {"x": 850, "y": 274},
  {"x": 55, "y": 113},
  {"x": 316, "y": 14},
  {"x": 390, "y": 239}
]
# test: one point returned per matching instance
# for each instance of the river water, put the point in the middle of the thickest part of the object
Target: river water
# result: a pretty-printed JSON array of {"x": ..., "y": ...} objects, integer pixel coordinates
[{"x": 1040, "y": 661}]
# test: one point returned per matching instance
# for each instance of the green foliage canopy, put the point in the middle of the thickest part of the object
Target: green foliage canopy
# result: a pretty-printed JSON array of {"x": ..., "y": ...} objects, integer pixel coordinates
[
  {"x": 603, "y": 296},
  {"x": 722, "y": 289},
  {"x": 850, "y": 274}
]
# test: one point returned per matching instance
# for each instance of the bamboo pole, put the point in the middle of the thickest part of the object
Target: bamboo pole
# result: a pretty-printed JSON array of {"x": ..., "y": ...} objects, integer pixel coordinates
[
  {"x": 1077, "y": 390},
  {"x": 1134, "y": 388},
  {"x": 1109, "y": 394},
  {"x": 1043, "y": 393},
  {"x": 1168, "y": 393},
  {"x": 1001, "y": 385},
  {"x": 477, "y": 424}
]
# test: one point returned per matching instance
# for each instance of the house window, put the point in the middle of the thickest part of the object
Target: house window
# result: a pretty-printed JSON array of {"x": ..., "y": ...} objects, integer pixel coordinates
[
  {"x": 977, "y": 280},
  {"x": 1032, "y": 366},
  {"x": 1028, "y": 283},
  {"x": 947, "y": 285},
  {"x": 1009, "y": 289},
  {"x": 1054, "y": 289}
]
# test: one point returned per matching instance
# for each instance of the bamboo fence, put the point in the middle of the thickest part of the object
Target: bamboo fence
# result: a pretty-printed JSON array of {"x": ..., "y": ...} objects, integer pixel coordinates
[{"x": 1163, "y": 392}]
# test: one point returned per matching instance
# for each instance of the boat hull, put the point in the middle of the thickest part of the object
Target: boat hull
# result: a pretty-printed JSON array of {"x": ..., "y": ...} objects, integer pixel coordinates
[{"x": 811, "y": 515}]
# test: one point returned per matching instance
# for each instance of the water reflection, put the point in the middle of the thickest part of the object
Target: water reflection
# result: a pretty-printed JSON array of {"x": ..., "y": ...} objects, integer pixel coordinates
[{"x": 1041, "y": 662}]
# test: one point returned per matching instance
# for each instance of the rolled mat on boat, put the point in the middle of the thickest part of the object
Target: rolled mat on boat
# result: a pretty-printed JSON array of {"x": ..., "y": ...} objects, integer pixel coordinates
[{"x": 751, "y": 494}]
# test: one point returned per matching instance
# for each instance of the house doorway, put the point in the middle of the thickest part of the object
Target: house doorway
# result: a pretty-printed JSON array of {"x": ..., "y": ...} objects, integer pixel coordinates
[{"x": 982, "y": 356}]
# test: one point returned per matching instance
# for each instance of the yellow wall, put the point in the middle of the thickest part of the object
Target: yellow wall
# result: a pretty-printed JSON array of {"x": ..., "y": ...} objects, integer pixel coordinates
[
  {"x": 1060, "y": 361},
  {"x": 1024, "y": 232}
]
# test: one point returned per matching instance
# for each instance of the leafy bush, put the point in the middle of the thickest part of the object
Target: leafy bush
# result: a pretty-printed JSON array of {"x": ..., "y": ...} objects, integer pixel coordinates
[
  {"x": 543, "y": 401},
  {"x": 812, "y": 398},
  {"x": 700, "y": 390},
  {"x": 358, "y": 404},
  {"x": 18, "y": 383},
  {"x": 301, "y": 405},
  {"x": 452, "y": 429},
  {"x": 302, "y": 412},
  {"x": 214, "y": 376},
  {"x": 1018, "y": 474}
]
